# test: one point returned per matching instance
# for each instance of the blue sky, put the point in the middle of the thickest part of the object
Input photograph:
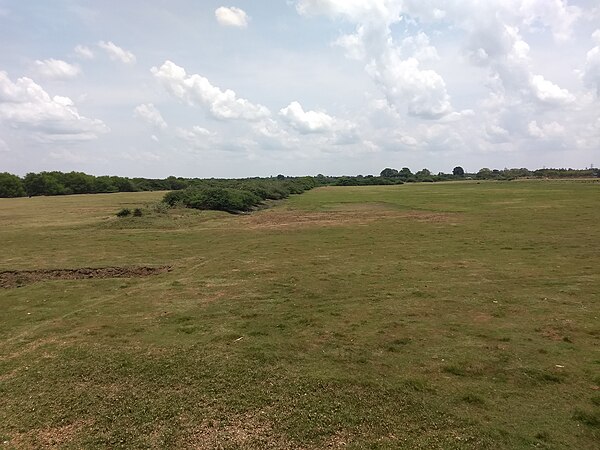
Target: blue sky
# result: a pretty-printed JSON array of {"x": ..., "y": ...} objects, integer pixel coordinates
[{"x": 257, "y": 88}]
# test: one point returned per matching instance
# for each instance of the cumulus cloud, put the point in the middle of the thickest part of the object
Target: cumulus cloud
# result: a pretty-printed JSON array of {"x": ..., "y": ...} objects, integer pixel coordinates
[
  {"x": 419, "y": 47},
  {"x": 505, "y": 52},
  {"x": 84, "y": 52},
  {"x": 150, "y": 114},
  {"x": 56, "y": 68},
  {"x": 546, "y": 91},
  {"x": 404, "y": 82},
  {"x": 26, "y": 106},
  {"x": 545, "y": 131},
  {"x": 197, "y": 90},
  {"x": 307, "y": 121},
  {"x": 395, "y": 67},
  {"x": 231, "y": 17},
  {"x": 558, "y": 15},
  {"x": 117, "y": 53},
  {"x": 523, "y": 101}
]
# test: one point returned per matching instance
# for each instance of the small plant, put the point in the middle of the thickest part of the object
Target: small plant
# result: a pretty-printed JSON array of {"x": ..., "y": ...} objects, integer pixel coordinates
[
  {"x": 160, "y": 207},
  {"x": 137, "y": 212},
  {"x": 124, "y": 212}
]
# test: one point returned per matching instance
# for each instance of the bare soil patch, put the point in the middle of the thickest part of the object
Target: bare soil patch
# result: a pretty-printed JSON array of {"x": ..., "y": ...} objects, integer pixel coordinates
[{"x": 17, "y": 278}]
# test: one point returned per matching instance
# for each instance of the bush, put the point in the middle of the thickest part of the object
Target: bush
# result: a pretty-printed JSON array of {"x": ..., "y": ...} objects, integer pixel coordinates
[
  {"x": 223, "y": 199},
  {"x": 176, "y": 197},
  {"x": 137, "y": 212},
  {"x": 214, "y": 198},
  {"x": 124, "y": 212}
]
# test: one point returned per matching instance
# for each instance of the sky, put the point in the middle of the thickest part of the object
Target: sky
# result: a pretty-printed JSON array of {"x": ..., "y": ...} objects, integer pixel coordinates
[{"x": 249, "y": 88}]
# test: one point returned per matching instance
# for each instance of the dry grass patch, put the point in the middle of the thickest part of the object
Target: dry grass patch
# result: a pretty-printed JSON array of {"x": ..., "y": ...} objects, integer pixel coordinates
[
  {"x": 252, "y": 430},
  {"x": 349, "y": 216},
  {"x": 45, "y": 438}
]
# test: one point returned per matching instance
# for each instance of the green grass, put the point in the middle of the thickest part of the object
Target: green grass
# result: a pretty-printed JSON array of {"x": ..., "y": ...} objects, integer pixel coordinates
[{"x": 458, "y": 315}]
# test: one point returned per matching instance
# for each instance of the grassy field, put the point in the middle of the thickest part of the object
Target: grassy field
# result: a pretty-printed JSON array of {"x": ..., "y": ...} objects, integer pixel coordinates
[{"x": 459, "y": 315}]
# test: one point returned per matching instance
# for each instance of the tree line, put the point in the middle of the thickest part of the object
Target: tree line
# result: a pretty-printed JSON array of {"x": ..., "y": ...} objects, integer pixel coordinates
[
  {"x": 458, "y": 173},
  {"x": 65, "y": 183},
  {"x": 60, "y": 183}
]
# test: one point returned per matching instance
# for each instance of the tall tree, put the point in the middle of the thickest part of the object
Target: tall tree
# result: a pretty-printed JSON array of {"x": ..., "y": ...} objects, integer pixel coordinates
[
  {"x": 11, "y": 186},
  {"x": 458, "y": 171},
  {"x": 388, "y": 173}
]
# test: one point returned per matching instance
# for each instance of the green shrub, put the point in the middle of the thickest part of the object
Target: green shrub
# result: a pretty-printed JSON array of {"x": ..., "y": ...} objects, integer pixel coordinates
[
  {"x": 214, "y": 198},
  {"x": 223, "y": 199},
  {"x": 176, "y": 197},
  {"x": 124, "y": 212},
  {"x": 160, "y": 207}
]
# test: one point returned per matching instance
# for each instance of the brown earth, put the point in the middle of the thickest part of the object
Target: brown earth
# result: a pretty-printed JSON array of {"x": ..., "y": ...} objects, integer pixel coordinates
[{"x": 17, "y": 278}]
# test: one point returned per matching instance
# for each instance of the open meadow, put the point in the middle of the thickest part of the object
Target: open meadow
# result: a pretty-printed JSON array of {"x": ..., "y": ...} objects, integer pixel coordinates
[{"x": 450, "y": 315}]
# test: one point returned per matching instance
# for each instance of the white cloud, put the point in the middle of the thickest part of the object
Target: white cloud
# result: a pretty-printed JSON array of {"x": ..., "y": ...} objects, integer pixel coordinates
[
  {"x": 309, "y": 121},
  {"x": 419, "y": 47},
  {"x": 545, "y": 131},
  {"x": 197, "y": 90},
  {"x": 353, "y": 44},
  {"x": 195, "y": 133},
  {"x": 56, "y": 68},
  {"x": 591, "y": 75},
  {"x": 558, "y": 15},
  {"x": 495, "y": 133},
  {"x": 231, "y": 17},
  {"x": 117, "y": 53},
  {"x": 404, "y": 82},
  {"x": 198, "y": 138},
  {"x": 386, "y": 11},
  {"x": 84, "y": 52},
  {"x": 26, "y": 106},
  {"x": 394, "y": 67},
  {"x": 150, "y": 114},
  {"x": 546, "y": 91}
]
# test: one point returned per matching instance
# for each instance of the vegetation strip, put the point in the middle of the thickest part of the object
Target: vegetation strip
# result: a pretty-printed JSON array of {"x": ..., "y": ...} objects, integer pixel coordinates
[{"x": 17, "y": 278}]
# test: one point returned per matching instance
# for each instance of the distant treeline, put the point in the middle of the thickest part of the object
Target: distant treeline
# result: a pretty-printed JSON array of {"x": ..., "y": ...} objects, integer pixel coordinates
[
  {"x": 458, "y": 173},
  {"x": 61, "y": 183},
  {"x": 513, "y": 174}
]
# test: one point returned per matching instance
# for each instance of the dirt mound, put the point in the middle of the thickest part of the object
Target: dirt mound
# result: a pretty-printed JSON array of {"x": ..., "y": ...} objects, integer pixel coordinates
[{"x": 16, "y": 278}]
